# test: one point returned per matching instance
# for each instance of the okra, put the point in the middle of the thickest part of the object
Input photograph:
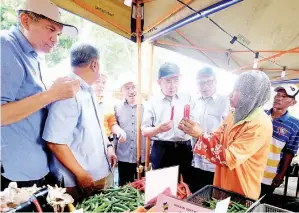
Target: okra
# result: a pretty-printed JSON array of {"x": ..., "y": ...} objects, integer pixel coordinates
[
  {"x": 121, "y": 206},
  {"x": 125, "y": 198}
]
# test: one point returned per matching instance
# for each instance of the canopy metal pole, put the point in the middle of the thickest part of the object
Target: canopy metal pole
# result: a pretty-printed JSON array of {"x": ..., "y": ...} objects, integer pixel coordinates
[
  {"x": 139, "y": 95},
  {"x": 150, "y": 90},
  {"x": 268, "y": 58},
  {"x": 195, "y": 16}
]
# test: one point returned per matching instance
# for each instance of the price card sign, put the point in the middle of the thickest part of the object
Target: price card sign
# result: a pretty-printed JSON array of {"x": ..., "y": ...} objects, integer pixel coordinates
[
  {"x": 171, "y": 204},
  {"x": 159, "y": 180},
  {"x": 222, "y": 206}
]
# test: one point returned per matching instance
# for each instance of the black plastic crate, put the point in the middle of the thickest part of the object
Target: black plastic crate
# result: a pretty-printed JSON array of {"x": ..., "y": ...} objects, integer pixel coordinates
[
  {"x": 209, "y": 192},
  {"x": 267, "y": 208}
]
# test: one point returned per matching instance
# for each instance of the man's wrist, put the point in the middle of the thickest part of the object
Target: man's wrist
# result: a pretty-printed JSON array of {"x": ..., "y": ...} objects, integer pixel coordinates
[
  {"x": 110, "y": 145},
  {"x": 49, "y": 96}
]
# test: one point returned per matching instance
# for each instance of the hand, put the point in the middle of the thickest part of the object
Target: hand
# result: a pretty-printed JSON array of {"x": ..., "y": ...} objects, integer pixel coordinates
[
  {"x": 121, "y": 135},
  {"x": 191, "y": 128},
  {"x": 112, "y": 157},
  {"x": 278, "y": 180},
  {"x": 85, "y": 180},
  {"x": 165, "y": 127},
  {"x": 64, "y": 88}
]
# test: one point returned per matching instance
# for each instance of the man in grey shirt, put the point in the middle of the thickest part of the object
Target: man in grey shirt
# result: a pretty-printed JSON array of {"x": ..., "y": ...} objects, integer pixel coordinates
[
  {"x": 210, "y": 110},
  {"x": 125, "y": 113}
]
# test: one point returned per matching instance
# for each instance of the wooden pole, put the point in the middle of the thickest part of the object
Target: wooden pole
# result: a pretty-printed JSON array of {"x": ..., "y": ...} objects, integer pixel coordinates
[
  {"x": 150, "y": 89},
  {"x": 139, "y": 95}
]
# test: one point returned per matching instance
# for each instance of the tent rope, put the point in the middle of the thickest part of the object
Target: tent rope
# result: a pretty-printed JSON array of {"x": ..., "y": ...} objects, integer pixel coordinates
[{"x": 234, "y": 38}]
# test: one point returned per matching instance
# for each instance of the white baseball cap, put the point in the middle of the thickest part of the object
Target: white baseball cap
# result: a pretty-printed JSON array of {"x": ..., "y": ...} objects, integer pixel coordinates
[
  {"x": 291, "y": 89},
  {"x": 48, "y": 9},
  {"x": 126, "y": 78}
]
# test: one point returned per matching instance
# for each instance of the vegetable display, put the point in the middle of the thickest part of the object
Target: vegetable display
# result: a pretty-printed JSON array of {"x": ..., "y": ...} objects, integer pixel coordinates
[
  {"x": 183, "y": 190},
  {"x": 138, "y": 184},
  {"x": 211, "y": 204},
  {"x": 121, "y": 199}
]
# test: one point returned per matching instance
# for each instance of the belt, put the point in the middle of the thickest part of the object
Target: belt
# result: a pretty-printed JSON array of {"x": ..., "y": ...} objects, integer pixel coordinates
[{"x": 188, "y": 142}]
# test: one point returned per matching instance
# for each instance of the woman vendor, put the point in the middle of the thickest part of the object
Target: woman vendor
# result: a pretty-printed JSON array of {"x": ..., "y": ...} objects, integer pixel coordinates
[{"x": 240, "y": 147}]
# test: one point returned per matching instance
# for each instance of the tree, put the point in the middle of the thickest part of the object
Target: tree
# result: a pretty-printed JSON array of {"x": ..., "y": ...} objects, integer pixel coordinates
[{"x": 118, "y": 54}]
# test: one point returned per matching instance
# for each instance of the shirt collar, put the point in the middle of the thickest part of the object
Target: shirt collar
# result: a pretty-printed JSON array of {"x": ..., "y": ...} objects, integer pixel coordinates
[
  {"x": 125, "y": 102},
  {"x": 285, "y": 117},
  {"x": 83, "y": 84},
  {"x": 24, "y": 43},
  {"x": 251, "y": 116},
  {"x": 213, "y": 97},
  {"x": 163, "y": 97}
]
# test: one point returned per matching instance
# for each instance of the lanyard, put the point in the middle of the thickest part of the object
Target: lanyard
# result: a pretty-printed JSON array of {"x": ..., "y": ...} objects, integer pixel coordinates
[{"x": 99, "y": 121}]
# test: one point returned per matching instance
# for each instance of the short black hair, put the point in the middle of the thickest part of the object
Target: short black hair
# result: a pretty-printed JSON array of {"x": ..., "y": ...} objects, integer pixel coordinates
[{"x": 83, "y": 54}]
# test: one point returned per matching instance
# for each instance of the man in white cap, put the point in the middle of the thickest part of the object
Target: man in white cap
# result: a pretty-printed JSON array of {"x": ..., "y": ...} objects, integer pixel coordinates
[
  {"x": 126, "y": 113},
  {"x": 285, "y": 139},
  {"x": 23, "y": 94}
]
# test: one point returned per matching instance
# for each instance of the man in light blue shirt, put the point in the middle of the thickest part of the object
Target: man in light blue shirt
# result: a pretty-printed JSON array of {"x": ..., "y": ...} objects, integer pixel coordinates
[
  {"x": 210, "y": 110},
  {"x": 75, "y": 131},
  {"x": 23, "y": 94}
]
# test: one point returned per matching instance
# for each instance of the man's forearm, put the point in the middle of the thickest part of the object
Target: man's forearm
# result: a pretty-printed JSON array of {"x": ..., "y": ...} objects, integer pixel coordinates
[
  {"x": 65, "y": 156},
  {"x": 15, "y": 111},
  {"x": 150, "y": 131},
  {"x": 287, "y": 159}
]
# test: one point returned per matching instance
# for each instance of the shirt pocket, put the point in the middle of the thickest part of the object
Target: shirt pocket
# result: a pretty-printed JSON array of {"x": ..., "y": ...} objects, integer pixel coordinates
[{"x": 214, "y": 120}]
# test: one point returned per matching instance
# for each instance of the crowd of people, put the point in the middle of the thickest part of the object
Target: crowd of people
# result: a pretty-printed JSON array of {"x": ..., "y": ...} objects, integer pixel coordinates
[{"x": 68, "y": 135}]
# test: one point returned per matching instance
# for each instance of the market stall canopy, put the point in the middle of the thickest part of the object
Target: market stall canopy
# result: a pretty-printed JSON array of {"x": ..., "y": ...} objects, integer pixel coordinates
[{"x": 268, "y": 27}]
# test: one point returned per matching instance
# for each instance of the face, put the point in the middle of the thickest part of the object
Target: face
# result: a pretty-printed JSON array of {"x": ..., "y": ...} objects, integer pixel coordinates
[
  {"x": 206, "y": 85},
  {"x": 234, "y": 98},
  {"x": 42, "y": 34},
  {"x": 282, "y": 101},
  {"x": 100, "y": 85},
  {"x": 169, "y": 86},
  {"x": 129, "y": 92}
]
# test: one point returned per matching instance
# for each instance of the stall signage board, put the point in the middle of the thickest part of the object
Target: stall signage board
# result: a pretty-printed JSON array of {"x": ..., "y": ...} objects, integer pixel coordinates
[
  {"x": 160, "y": 179},
  {"x": 171, "y": 204}
]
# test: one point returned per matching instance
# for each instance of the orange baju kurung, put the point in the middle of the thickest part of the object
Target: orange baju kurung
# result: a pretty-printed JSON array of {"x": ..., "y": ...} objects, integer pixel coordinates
[{"x": 240, "y": 152}]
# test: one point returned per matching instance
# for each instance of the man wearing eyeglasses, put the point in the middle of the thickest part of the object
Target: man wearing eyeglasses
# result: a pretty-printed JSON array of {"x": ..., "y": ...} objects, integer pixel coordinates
[
  {"x": 210, "y": 110},
  {"x": 285, "y": 139}
]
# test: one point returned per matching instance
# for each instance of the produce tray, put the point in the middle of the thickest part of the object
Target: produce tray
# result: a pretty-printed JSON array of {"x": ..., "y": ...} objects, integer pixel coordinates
[
  {"x": 267, "y": 208},
  {"x": 209, "y": 192}
]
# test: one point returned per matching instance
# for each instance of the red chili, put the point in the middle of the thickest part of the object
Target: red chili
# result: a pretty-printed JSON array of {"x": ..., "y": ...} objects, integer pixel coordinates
[
  {"x": 187, "y": 111},
  {"x": 172, "y": 113}
]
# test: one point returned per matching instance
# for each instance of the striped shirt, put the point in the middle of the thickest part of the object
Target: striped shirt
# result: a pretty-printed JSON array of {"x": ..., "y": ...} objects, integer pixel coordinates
[
  {"x": 285, "y": 138},
  {"x": 126, "y": 119}
]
